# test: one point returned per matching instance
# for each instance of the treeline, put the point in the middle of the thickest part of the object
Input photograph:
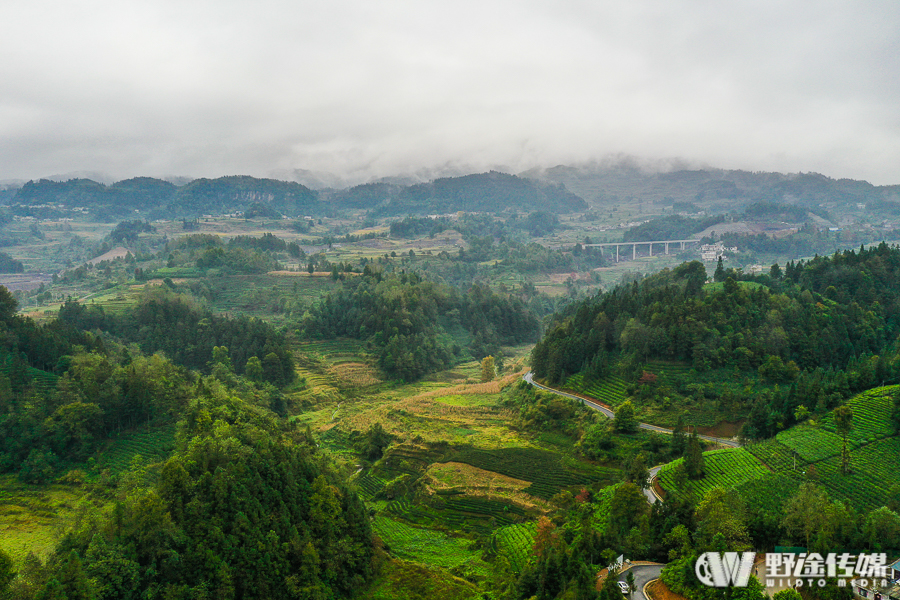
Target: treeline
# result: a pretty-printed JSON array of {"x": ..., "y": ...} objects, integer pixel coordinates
[
  {"x": 722, "y": 520},
  {"x": 243, "y": 254},
  {"x": 825, "y": 328},
  {"x": 161, "y": 198},
  {"x": 482, "y": 192},
  {"x": 410, "y": 320},
  {"x": 162, "y": 321},
  {"x": 128, "y": 231},
  {"x": 270, "y": 198},
  {"x": 44, "y": 430}
]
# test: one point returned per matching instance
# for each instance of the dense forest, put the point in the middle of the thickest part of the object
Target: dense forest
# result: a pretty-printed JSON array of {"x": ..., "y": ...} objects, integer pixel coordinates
[
  {"x": 822, "y": 329},
  {"x": 419, "y": 326},
  {"x": 163, "y": 321},
  {"x": 244, "y": 508}
]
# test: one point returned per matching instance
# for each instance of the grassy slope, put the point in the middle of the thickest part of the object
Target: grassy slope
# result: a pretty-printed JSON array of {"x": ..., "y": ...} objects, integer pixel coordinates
[{"x": 405, "y": 580}]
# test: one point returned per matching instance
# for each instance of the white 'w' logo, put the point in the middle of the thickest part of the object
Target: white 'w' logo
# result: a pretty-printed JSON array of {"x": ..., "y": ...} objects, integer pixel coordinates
[{"x": 721, "y": 570}]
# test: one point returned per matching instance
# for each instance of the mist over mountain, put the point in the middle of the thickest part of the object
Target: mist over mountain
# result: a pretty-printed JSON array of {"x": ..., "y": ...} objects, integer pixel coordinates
[{"x": 561, "y": 189}]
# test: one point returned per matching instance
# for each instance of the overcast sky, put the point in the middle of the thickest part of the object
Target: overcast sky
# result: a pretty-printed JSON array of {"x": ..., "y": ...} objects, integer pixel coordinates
[{"x": 377, "y": 87}]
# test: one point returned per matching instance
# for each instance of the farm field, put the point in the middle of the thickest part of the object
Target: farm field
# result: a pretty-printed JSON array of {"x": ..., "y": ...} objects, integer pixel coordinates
[
  {"x": 430, "y": 547},
  {"x": 33, "y": 518},
  {"x": 609, "y": 390},
  {"x": 727, "y": 469},
  {"x": 407, "y": 580},
  {"x": 516, "y": 543},
  {"x": 767, "y": 472}
]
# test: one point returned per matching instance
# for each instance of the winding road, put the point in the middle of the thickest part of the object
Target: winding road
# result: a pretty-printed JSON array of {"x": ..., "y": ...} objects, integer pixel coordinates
[
  {"x": 643, "y": 574},
  {"x": 608, "y": 413}
]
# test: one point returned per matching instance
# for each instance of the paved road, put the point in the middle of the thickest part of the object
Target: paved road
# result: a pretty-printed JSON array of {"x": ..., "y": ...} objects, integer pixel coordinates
[
  {"x": 643, "y": 574},
  {"x": 609, "y": 414},
  {"x": 607, "y": 411}
]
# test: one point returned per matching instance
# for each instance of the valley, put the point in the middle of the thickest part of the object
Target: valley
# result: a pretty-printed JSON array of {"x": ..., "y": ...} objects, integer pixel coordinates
[{"x": 443, "y": 389}]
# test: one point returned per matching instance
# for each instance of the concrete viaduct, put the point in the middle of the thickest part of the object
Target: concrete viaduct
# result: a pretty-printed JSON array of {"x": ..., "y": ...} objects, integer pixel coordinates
[{"x": 634, "y": 246}]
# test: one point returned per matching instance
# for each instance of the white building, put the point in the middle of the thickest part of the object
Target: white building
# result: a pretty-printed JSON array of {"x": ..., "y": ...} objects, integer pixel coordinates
[{"x": 712, "y": 252}]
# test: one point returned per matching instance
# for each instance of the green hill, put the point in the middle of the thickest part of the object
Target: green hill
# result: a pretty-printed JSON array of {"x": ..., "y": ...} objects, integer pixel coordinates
[{"x": 483, "y": 192}]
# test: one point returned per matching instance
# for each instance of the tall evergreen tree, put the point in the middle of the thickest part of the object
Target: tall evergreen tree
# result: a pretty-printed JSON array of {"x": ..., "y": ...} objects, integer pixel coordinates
[
  {"x": 693, "y": 460},
  {"x": 719, "y": 275}
]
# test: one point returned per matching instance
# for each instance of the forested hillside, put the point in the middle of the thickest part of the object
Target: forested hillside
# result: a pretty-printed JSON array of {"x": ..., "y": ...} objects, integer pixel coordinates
[
  {"x": 417, "y": 325},
  {"x": 484, "y": 192},
  {"x": 245, "y": 507},
  {"x": 820, "y": 329}
]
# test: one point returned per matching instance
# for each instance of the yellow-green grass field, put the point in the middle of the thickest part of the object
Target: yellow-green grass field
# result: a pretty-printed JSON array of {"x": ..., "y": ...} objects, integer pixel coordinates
[{"x": 33, "y": 518}]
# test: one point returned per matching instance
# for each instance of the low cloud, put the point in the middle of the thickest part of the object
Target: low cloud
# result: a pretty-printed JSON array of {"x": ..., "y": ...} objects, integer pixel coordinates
[{"x": 368, "y": 90}]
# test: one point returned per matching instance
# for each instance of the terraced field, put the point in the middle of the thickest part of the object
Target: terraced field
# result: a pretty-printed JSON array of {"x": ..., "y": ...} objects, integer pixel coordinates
[
  {"x": 667, "y": 371},
  {"x": 516, "y": 543},
  {"x": 727, "y": 469},
  {"x": 609, "y": 390},
  {"x": 813, "y": 451},
  {"x": 147, "y": 446},
  {"x": 430, "y": 547},
  {"x": 264, "y": 295},
  {"x": 810, "y": 443},
  {"x": 871, "y": 416},
  {"x": 548, "y": 472},
  {"x": 41, "y": 381}
]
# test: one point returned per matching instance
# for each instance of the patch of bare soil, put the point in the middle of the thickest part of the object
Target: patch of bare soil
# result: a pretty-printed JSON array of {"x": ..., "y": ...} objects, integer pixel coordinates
[
  {"x": 723, "y": 429},
  {"x": 117, "y": 252},
  {"x": 657, "y": 590}
]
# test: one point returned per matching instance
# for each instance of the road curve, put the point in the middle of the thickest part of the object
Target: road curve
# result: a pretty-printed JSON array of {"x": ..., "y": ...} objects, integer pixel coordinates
[
  {"x": 609, "y": 414},
  {"x": 643, "y": 574}
]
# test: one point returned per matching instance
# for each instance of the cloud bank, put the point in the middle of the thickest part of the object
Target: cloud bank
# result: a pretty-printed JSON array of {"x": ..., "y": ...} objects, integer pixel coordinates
[{"x": 370, "y": 89}]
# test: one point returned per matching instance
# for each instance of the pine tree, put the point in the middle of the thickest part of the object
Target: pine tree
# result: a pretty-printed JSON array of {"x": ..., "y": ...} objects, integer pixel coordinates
[
  {"x": 679, "y": 442},
  {"x": 693, "y": 460},
  {"x": 719, "y": 275},
  {"x": 843, "y": 423}
]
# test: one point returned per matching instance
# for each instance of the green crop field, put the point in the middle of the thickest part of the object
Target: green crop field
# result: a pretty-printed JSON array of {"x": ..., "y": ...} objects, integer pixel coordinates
[
  {"x": 871, "y": 416},
  {"x": 430, "y": 547},
  {"x": 726, "y": 469},
  {"x": 405, "y": 580},
  {"x": 151, "y": 446},
  {"x": 810, "y": 443},
  {"x": 609, "y": 390},
  {"x": 548, "y": 472},
  {"x": 516, "y": 543},
  {"x": 812, "y": 451},
  {"x": 668, "y": 371},
  {"x": 775, "y": 455}
]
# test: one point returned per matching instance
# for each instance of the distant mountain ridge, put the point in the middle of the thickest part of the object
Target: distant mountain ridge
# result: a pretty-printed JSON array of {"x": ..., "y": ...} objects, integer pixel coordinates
[
  {"x": 485, "y": 192},
  {"x": 719, "y": 189},
  {"x": 482, "y": 192},
  {"x": 560, "y": 189}
]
